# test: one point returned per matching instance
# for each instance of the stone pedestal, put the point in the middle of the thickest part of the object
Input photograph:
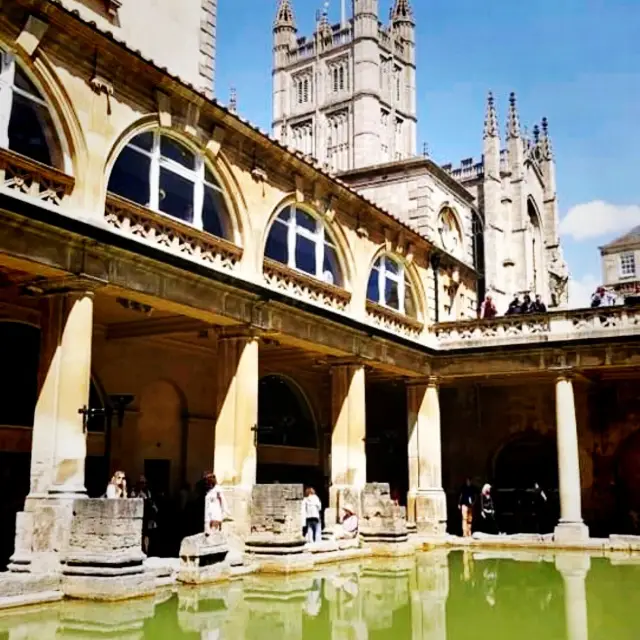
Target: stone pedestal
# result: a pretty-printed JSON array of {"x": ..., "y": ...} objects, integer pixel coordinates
[
  {"x": 104, "y": 559},
  {"x": 426, "y": 502},
  {"x": 202, "y": 558},
  {"x": 276, "y": 540},
  {"x": 381, "y": 519},
  {"x": 571, "y": 527}
]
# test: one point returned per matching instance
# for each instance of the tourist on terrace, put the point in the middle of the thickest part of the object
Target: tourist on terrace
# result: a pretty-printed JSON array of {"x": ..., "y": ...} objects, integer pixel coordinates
[
  {"x": 538, "y": 306},
  {"x": 527, "y": 305},
  {"x": 488, "y": 309},
  {"x": 488, "y": 510},
  {"x": 348, "y": 529},
  {"x": 597, "y": 298},
  {"x": 215, "y": 506},
  {"x": 117, "y": 488},
  {"x": 515, "y": 306},
  {"x": 311, "y": 508},
  {"x": 466, "y": 503}
]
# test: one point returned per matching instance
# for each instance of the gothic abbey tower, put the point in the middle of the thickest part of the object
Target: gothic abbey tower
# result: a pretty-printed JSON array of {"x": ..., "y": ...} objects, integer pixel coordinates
[{"x": 346, "y": 96}]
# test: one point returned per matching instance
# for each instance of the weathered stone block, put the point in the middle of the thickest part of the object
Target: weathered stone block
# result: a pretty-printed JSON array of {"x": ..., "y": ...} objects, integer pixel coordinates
[
  {"x": 203, "y": 558},
  {"x": 381, "y": 520}
]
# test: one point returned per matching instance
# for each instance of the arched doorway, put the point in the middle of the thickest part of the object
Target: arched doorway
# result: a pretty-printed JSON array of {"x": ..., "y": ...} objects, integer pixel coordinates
[
  {"x": 628, "y": 484},
  {"x": 518, "y": 465},
  {"x": 288, "y": 444}
]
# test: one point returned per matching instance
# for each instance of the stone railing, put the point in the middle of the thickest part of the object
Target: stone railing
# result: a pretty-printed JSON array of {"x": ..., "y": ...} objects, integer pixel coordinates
[
  {"x": 577, "y": 324},
  {"x": 304, "y": 287},
  {"x": 170, "y": 235},
  {"x": 21, "y": 175},
  {"x": 392, "y": 321}
]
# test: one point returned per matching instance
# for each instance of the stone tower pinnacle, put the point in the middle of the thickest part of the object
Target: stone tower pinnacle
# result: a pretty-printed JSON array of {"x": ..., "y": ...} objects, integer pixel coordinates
[
  {"x": 284, "y": 15},
  {"x": 491, "y": 119},
  {"x": 402, "y": 12},
  {"x": 545, "y": 141},
  {"x": 513, "y": 120}
]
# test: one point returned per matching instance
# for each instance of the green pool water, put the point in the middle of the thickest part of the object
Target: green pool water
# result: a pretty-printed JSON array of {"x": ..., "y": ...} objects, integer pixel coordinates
[{"x": 434, "y": 596}]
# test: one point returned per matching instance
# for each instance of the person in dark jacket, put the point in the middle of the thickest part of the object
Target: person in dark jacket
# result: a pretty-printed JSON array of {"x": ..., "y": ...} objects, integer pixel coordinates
[
  {"x": 488, "y": 510},
  {"x": 514, "y": 306},
  {"x": 538, "y": 306},
  {"x": 466, "y": 502}
]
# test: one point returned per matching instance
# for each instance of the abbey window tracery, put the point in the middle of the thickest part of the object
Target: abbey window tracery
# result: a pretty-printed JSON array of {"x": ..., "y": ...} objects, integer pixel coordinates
[{"x": 338, "y": 140}]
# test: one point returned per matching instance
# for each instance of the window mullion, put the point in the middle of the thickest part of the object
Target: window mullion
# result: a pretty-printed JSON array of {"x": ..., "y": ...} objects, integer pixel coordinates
[
  {"x": 154, "y": 174},
  {"x": 401, "y": 284},
  {"x": 382, "y": 276},
  {"x": 198, "y": 194},
  {"x": 319, "y": 239},
  {"x": 7, "y": 75},
  {"x": 291, "y": 239}
]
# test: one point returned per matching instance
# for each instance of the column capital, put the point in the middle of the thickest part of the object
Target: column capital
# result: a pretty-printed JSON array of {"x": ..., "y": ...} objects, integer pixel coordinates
[
  {"x": 72, "y": 284},
  {"x": 565, "y": 373},
  {"x": 349, "y": 361},
  {"x": 244, "y": 332},
  {"x": 427, "y": 381}
]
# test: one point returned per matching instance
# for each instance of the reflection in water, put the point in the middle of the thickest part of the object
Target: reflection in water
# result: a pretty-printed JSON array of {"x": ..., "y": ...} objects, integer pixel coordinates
[{"x": 438, "y": 595}]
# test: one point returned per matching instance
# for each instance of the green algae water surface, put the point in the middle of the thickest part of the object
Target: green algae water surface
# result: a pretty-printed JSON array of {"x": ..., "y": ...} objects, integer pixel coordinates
[{"x": 439, "y": 595}]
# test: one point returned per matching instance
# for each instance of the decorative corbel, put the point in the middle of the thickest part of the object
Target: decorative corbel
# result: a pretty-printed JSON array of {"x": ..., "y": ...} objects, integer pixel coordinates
[
  {"x": 32, "y": 34},
  {"x": 318, "y": 193},
  {"x": 112, "y": 7},
  {"x": 215, "y": 142},
  {"x": 329, "y": 211},
  {"x": 192, "y": 119},
  {"x": 400, "y": 244},
  {"x": 388, "y": 239},
  {"x": 99, "y": 84},
  {"x": 299, "y": 187},
  {"x": 164, "y": 109},
  {"x": 410, "y": 253}
]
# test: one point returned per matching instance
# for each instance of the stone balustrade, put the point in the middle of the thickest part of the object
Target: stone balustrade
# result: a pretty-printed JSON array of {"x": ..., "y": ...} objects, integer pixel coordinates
[
  {"x": 169, "y": 234},
  {"x": 304, "y": 287},
  {"x": 22, "y": 176},
  {"x": 392, "y": 321},
  {"x": 566, "y": 325}
]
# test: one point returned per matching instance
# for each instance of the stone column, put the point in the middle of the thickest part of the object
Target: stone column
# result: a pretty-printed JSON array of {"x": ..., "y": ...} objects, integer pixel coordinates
[
  {"x": 427, "y": 503},
  {"x": 574, "y": 569},
  {"x": 235, "y": 459},
  {"x": 348, "y": 415},
  {"x": 59, "y": 445},
  {"x": 571, "y": 527},
  {"x": 429, "y": 594}
]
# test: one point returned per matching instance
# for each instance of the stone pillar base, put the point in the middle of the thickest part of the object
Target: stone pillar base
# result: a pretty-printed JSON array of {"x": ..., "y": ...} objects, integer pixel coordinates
[
  {"x": 428, "y": 511},
  {"x": 42, "y": 533},
  {"x": 569, "y": 532},
  {"x": 237, "y": 524}
]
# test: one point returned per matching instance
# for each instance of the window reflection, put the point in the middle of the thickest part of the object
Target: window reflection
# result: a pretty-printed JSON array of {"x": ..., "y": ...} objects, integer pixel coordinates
[
  {"x": 158, "y": 172},
  {"x": 300, "y": 241},
  {"x": 389, "y": 286}
]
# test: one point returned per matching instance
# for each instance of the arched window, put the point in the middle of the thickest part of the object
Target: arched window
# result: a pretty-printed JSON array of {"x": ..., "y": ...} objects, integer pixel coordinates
[
  {"x": 535, "y": 247},
  {"x": 26, "y": 126},
  {"x": 449, "y": 231},
  {"x": 284, "y": 417},
  {"x": 341, "y": 78},
  {"x": 389, "y": 286},
  {"x": 158, "y": 172},
  {"x": 300, "y": 241}
]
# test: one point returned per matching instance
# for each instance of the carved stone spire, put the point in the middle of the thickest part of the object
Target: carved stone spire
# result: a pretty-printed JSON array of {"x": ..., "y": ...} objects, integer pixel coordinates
[
  {"x": 402, "y": 12},
  {"x": 233, "y": 100},
  {"x": 491, "y": 119},
  {"x": 513, "y": 120},
  {"x": 545, "y": 141},
  {"x": 284, "y": 15}
]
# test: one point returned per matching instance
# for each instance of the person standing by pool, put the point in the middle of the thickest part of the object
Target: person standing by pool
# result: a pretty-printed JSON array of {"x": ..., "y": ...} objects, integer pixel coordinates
[
  {"x": 214, "y": 506},
  {"x": 311, "y": 508},
  {"x": 488, "y": 510},
  {"x": 466, "y": 503}
]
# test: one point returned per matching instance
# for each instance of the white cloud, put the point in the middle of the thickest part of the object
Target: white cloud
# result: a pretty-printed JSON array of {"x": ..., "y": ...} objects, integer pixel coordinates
[
  {"x": 580, "y": 290},
  {"x": 599, "y": 218}
]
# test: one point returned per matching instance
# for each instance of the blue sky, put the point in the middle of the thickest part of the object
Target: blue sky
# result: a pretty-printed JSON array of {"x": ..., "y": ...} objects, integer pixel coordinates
[{"x": 577, "y": 62}]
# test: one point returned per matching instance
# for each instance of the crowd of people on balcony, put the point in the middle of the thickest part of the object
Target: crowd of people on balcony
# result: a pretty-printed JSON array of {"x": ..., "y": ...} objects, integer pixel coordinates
[{"x": 488, "y": 310}]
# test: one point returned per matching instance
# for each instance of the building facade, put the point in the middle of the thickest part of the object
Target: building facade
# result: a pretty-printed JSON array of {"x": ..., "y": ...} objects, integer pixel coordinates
[
  {"x": 181, "y": 293},
  {"x": 366, "y": 129},
  {"x": 619, "y": 259}
]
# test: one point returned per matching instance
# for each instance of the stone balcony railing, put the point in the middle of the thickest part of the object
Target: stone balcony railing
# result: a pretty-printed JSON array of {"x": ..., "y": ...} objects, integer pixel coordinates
[
  {"x": 22, "y": 176},
  {"x": 304, "y": 287},
  {"x": 169, "y": 234},
  {"x": 566, "y": 325},
  {"x": 392, "y": 321}
]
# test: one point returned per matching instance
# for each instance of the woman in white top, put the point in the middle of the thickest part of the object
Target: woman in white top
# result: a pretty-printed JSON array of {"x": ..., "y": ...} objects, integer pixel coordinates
[
  {"x": 311, "y": 508},
  {"x": 117, "y": 488},
  {"x": 214, "y": 506}
]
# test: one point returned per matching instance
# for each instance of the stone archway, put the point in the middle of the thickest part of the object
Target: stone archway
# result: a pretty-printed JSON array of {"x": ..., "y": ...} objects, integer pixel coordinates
[
  {"x": 518, "y": 464},
  {"x": 288, "y": 443},
  {"x": 628, "y": 484}
]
